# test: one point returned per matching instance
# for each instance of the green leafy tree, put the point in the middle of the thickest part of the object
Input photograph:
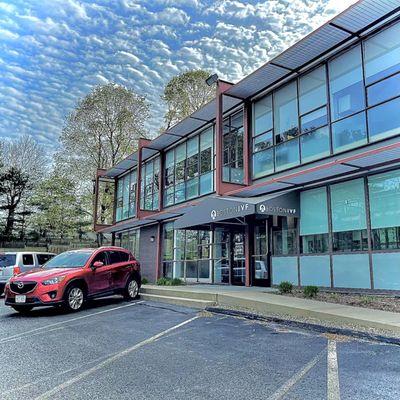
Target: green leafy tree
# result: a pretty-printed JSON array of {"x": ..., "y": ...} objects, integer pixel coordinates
[
  {"x": 59, "y": 211},
  {"x": 186, "y": 93}
]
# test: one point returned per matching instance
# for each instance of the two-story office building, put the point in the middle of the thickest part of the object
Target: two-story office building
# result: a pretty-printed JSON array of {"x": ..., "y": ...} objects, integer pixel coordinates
[{"x": 293, "y": 173}]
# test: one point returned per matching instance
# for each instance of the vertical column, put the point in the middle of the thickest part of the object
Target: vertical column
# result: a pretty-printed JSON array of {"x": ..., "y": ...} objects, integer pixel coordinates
[
  {"x": 159, "y": 269},
  {"x": 247, "y": 143},
  {"x": 218, "y": 140},
  {"x": 248, "y": 244}
]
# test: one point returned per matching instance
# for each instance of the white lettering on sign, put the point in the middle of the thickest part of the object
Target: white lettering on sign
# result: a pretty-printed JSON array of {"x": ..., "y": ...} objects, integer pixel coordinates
[
  {"x": 228, "y": 211},
  {"x": 276, "y": 209}
]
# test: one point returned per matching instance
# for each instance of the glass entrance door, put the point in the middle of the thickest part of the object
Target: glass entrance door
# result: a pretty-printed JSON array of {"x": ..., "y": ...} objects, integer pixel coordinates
[
  {"x": 261, "y": 259},
  {"x": 238, "y": 270}
]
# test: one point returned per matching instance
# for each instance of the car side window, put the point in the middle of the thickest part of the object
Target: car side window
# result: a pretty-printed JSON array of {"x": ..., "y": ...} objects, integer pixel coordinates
[
  {"x": 114, "y": 256},
  {"x": 100, "y": 257},
  {"x": 124, "y": 256},
  {"x": 27, "y": 259},
  {"x": 43, "y": 258}
]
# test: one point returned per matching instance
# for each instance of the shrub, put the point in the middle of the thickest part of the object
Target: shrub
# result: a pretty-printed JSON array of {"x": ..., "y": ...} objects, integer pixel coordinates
[
  {"x": 285, "y": 287},
  {"x": 169, "y": 282},
  {"x": 145, "y": 281},
  {"x": 310, "y": 291}
]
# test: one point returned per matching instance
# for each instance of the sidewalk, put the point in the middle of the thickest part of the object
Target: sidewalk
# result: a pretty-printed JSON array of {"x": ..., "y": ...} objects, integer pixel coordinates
[{"x": 261, "y": 300}]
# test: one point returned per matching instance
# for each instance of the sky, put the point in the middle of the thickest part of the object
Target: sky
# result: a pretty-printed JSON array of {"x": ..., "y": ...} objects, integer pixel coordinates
[{"x": 53, "y": 52}]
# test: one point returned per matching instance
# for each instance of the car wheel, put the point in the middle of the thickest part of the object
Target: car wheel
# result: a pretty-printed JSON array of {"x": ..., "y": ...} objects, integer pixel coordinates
[
  {"x": 74, "y": 298},
  {"x": 22, "y": 309},
  {"x": 131, "y": 291}
]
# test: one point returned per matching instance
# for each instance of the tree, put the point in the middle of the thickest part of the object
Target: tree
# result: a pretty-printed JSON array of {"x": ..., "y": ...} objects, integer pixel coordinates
[
  {"x": 102, "y": 130},
  {"x": 186, "y": 93},
  {"x": 59, "y": 211},
  {"x": 23, "y": 165},
  {"x": 13, "y": 184}
]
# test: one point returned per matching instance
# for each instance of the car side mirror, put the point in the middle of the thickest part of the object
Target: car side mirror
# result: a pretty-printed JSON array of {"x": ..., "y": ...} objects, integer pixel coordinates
[{"x": 97, "y": 264}]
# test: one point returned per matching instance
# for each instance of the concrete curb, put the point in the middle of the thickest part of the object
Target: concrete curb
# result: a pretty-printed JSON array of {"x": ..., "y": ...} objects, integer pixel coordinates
[{"x": 307, "y": 326}]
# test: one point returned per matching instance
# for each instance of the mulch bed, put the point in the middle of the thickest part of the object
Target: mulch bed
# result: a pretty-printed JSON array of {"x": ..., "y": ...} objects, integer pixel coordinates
[{"x": 377, "y": 302}]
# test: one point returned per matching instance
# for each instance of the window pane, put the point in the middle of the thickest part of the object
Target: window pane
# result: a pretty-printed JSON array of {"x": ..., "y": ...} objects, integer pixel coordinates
[
  {"x": 382, "y": 54},
  {"x": 179, "y": 192},
  {"x": 205, "y": 161},
  {"x": 386, "y": 238},
  {"x": 285, "y": 112},
  {"x": 263, "y": 163},
  {"x": 313, "y": 244},
  {"x": 180, "y": 152},
  {"x": 312, "y": 89},
  {"x": 384, "y": 198},
  {"x": 206, "y": 183},
  {"x": 384, "y": 90},
  {"x": 206, "y": 139},
  {"x": 192, "y": 188},
  {"x": 350, "y": 132},
  {"x": 314, "y": 120},
  {"x": 354, "y": 240},
  {"x": 384, "y": 120},
  {"x": 192, "y": 146},
  {"x": 315, "y": 144},
  {"x": 169, "y": 158},
  {"x": 287, "y": 154},
  {"x": 263, "y": 115},
  {"x": 346, "y": 84},
  {"x": 263, "y": 141},
  {"x": 348, "y": 206},
  {"x": 313, "y": 212}
]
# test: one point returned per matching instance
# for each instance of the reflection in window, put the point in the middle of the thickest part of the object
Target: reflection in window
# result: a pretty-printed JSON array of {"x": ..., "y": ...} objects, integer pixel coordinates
[
  {"x": 262, "y": 115},
  {"x": 350, "y": 241},
  {"x": 312, "y": 90},
  {"x": 284, "y": 236},
  {"x": 314, "y": 120},
  {"x": 149, "y": 185},
  {"x": 263, "y": 162},
  {"x": 346, "y": 84},
  {"x": 286, "y": 113},
  {"x": 315, "y": 144},
  {"x": 383, "y": 90},
  {"x": 349, "y": 132},
  {"x": 384, "y": 120},
  {"x": 189, "y": 169},
  {"x": 126, "y": 196},
  {"x": 382, "y": 54},
  {"x": 232, "y": 169}
]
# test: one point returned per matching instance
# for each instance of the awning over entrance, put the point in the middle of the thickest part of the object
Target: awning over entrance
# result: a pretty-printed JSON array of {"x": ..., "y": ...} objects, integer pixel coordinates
[{"x": 219, "y": 208}]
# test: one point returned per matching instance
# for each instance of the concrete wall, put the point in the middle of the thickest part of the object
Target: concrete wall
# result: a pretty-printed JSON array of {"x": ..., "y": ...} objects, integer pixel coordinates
[{"x": 148, "y": 252}]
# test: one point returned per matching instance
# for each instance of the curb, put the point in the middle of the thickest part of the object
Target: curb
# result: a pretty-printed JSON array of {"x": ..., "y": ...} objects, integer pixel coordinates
[{"x": 306, "y": 325}]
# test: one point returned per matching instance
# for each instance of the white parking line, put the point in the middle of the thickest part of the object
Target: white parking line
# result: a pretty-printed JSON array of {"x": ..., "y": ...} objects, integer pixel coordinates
[
  {"x": 333, "y": 372},
  {"x": 281, "y": 392},
  {"x": 46, "y": 327},
  {"x": 109, "y": 360}
]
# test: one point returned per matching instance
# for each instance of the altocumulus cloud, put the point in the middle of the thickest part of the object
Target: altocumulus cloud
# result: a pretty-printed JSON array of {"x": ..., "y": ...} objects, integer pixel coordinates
[{"x": 52, "y": 52}]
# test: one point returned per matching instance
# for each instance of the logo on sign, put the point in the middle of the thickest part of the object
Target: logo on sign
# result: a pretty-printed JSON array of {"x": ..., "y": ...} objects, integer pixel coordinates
[
  {"x": 20, "y": 285},
  {"x": 213, "y": 214},
  {"x": 262, "y": 208}
]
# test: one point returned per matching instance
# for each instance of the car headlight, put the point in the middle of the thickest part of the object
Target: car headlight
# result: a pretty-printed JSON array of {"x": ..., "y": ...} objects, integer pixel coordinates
[{"x": 53, "y": 281}]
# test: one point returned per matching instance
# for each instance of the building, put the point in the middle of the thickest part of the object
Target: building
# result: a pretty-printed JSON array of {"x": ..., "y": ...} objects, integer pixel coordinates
[{"x": 291, "y": 174}]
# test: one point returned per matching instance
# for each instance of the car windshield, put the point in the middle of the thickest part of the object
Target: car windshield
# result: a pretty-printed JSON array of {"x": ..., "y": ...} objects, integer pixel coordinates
[
  {"x": 69, "y": 259},
  {"x": 7, "y": 260}
]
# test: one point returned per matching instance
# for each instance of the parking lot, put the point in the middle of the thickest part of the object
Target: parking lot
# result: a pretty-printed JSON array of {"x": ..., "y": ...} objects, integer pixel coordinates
[{"x": 144, "y": 350}]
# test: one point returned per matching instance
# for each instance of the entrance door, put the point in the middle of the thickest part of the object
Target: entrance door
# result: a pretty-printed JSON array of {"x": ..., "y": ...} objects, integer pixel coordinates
[
  {"x": 238, "y": 268},
  {"x": 261, "y": 259}
]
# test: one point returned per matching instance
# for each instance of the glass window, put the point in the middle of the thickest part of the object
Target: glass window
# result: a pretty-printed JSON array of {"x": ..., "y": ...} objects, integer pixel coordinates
[
  {"x": 262, "y": 141},
  {"x": 346, "y": 84},
  {"x": 315, "y": 144},
  {"x": 263, "y": 163},
  {"x": 312, "y": 90},
  {"x": 314, "y": 244},
  {"x": 384, "y": 198},
  {"x": 313, "y": 211},
  {"x": 149, "y": 186},
  {"x": 348, "y": 206},
  {"x": 262, "y": 115},
  {"x": 285, "y": 112},
  {"x": 284, "y": 236},
  {"x": 287, "y": 154},
  {"x": 349, "y": 133},
  {"x": 206, "y": 183},
  {"x": 384, "y": 120},
  {"x": 382, "y": 54},
  {"x": 384, "y": 90},
  {"x": 314, "y": 120},
  {"x": 27, "y": 259}
]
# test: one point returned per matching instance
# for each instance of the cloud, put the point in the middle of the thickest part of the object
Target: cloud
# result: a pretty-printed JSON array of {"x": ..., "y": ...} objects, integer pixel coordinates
[{"x": 53, "y": 52}]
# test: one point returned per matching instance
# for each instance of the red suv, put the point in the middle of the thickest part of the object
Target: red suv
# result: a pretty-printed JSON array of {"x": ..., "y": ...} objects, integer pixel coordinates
[{"x": 73, "y": 277}]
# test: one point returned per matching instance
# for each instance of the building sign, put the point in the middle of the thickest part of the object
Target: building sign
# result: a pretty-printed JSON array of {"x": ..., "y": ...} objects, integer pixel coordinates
[
  {"x": 229, "y": 212},
  {"x": 276, "y": 210}
]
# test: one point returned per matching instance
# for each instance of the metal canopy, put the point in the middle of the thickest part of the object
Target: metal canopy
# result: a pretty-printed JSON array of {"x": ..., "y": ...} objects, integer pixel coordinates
[
  {"x": 335, "y": 33},
  {"x": 123, "y": 166},
  {"x": 222, "y": 208}
]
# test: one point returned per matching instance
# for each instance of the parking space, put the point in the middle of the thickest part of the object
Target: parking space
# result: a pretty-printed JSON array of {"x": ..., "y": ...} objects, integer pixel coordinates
[{"x": 145, "y": 350}]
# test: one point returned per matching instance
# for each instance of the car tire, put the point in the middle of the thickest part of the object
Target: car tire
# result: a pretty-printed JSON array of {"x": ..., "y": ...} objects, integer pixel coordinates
[
  {"x": 131, "y": 291},
  {"x": 74, "y": 298},
  {"x": 23, "y": 309}
]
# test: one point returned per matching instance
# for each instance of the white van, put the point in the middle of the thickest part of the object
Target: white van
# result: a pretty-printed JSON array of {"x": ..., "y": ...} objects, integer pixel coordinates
[{"x": 20, "y": 261}]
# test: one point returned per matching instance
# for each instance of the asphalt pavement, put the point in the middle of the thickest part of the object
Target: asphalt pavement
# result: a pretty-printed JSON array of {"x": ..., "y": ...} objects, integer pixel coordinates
[{"x": 146, "y": 350}]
